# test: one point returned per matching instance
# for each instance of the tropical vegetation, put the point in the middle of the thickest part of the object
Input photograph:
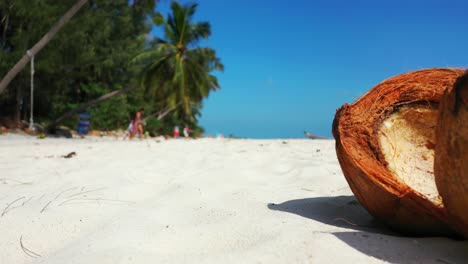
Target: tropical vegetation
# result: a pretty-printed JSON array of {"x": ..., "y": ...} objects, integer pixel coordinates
[
  {"x": 107, "y": 47},
  {"x": 178, "y": 72}
]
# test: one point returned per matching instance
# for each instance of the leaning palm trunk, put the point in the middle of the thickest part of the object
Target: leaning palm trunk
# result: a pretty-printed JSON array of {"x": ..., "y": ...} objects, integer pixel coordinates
[
  {"x": 385, "y": 145},
  {"x": 162, "y": 113},
  {"x": 451, "y": 156},
  {"x": 39, "y": 45}
]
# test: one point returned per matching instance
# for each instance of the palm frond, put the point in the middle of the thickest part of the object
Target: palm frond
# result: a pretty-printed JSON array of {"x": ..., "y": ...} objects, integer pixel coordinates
[{"x": 199, "y": 31}]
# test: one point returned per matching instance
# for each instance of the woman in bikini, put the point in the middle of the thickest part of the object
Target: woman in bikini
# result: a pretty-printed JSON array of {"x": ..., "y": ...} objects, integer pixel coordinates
[{"x": 139, "y": 124}]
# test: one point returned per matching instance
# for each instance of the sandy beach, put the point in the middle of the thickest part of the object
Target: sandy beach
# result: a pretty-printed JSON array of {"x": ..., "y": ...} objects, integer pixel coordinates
[{"x": 191, "y": 201}]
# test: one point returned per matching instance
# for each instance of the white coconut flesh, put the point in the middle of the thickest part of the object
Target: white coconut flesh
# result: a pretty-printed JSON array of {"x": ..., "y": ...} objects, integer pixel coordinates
[{"x": 407, "y": 141}]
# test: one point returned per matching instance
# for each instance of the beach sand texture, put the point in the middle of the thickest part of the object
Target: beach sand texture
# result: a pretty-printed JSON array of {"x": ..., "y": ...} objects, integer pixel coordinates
[{"x": 191, "y": 201}]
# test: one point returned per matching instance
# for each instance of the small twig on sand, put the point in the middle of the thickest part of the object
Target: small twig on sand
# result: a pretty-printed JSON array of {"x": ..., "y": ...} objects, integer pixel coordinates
[
  {"x": 350, "y": 223},
  {"x": 27, "y": 251},
  {"x": 13, "y": 180},
  {"x": 344, "y": 220},
  {"x": 8, "y": 206},
  {"x": 67, "y": 202},
  {"x": 69, "y": 155},
  {"x": 309, "y": 190},
  {"x": 85, "y": 192},
  {"x": 43, "y": 209},
  {"x": 42, "y": 196},
  {"x": 69, "y": 189},
  {"x": 27, "y": 201}
]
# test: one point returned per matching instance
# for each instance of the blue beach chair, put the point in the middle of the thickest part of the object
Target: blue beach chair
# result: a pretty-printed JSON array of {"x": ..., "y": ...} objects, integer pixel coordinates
[{"x": 83, "y": 123}]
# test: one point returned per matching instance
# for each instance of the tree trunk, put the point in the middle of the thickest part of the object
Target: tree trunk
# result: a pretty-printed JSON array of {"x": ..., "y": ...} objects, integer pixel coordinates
[
  {"x": 39, "y": 45},
  {"x": 18, "y": 106},
  {"x": 161, "y": 114},
  {"x": 84, "y": 106}
]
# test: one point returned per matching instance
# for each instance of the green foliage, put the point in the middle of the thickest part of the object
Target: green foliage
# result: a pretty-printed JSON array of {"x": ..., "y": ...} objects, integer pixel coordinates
[
  {"x": 155, "y": 127},
  {"x": 103, "y": 48},
  {"x": 176, "y": 70},
  {"x": 111, "y": 114},
  {"x": 86, "y": 59}
]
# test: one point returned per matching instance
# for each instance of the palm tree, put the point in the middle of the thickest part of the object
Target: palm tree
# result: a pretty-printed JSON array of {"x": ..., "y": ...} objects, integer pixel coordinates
[{"x": 178, "y": 70}]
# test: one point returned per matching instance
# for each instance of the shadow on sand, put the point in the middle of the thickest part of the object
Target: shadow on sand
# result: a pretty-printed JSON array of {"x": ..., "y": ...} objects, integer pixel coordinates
[
  {"x": 340, "y": 211},
  {"x": 375, "y": 238}
]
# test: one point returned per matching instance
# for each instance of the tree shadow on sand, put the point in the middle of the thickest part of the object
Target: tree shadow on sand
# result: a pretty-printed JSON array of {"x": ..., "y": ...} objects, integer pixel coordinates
[{"x": 374, "y": 239}]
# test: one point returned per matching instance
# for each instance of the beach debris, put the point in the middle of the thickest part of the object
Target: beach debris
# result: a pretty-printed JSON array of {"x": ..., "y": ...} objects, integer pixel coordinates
[
  {"x": 28, "y": 252},
  {"x": 380, "y": 141},
  {"x": 69, "y": 155},
  {"x": 66, "y": 190},
  {"x": 7, "y": 208},
  {"x": 26, "y": 201},
  {"x": 83, "y": 192},
  {"x": 43, "y": 209},
  {"x": 81, "y": 200},
  {"x": 312, "y": 136},
  {"x": 451, "y": 153},
  {"x": 349, "y": 222},
  {"x": 6, "y": 180}
]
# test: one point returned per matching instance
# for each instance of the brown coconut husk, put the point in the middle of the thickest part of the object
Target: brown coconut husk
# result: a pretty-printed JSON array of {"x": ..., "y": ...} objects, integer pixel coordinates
[
  {"x": 451, "y": 154},
  {"x": 385, "y": 145}
]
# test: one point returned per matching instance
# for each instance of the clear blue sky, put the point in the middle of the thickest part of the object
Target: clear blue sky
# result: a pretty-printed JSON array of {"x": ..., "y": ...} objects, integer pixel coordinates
[{"x": 290, "y": 64}]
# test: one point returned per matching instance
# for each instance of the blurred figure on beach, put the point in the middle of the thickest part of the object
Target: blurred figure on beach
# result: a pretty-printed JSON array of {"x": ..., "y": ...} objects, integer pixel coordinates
[
  {"x": 130, "y": 130},
  {"x": 187, "y": 131},
  {"x": 138, "y": 125},
  {"x": 176, "y": 132}
]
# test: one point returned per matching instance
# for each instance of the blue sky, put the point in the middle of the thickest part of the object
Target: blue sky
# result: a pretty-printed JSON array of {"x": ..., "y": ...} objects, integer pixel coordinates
[{"x": 290, "y": 64}]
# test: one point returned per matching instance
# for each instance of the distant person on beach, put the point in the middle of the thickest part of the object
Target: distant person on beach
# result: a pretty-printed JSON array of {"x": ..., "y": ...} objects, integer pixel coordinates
[
  {"x": 187, "y": 131},
  {"x": 176, "y": 132},
  {"x": 130, "y": 130},
  {"x": 139, "y": 124}
]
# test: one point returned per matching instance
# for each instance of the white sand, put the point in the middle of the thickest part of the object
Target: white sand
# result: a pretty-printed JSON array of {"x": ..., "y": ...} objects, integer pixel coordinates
[{"x": 198, "y": 201}]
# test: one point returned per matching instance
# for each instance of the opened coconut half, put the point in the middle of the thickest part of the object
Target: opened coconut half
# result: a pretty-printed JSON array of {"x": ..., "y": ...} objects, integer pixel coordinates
[
  {"x": 451, "y": 155},
  {"x": 385, "y": 145}
]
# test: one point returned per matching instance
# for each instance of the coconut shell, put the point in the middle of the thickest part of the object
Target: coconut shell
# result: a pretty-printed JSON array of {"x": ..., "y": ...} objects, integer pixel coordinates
[
  {"x": 451, "y": 155},
  {"x": 385, "y": 145}
]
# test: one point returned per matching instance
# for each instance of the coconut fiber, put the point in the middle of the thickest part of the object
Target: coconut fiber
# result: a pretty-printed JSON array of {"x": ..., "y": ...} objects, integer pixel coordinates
[
  {"x": 385, "y": 145},
  {"x": 451, "y": 155}
]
